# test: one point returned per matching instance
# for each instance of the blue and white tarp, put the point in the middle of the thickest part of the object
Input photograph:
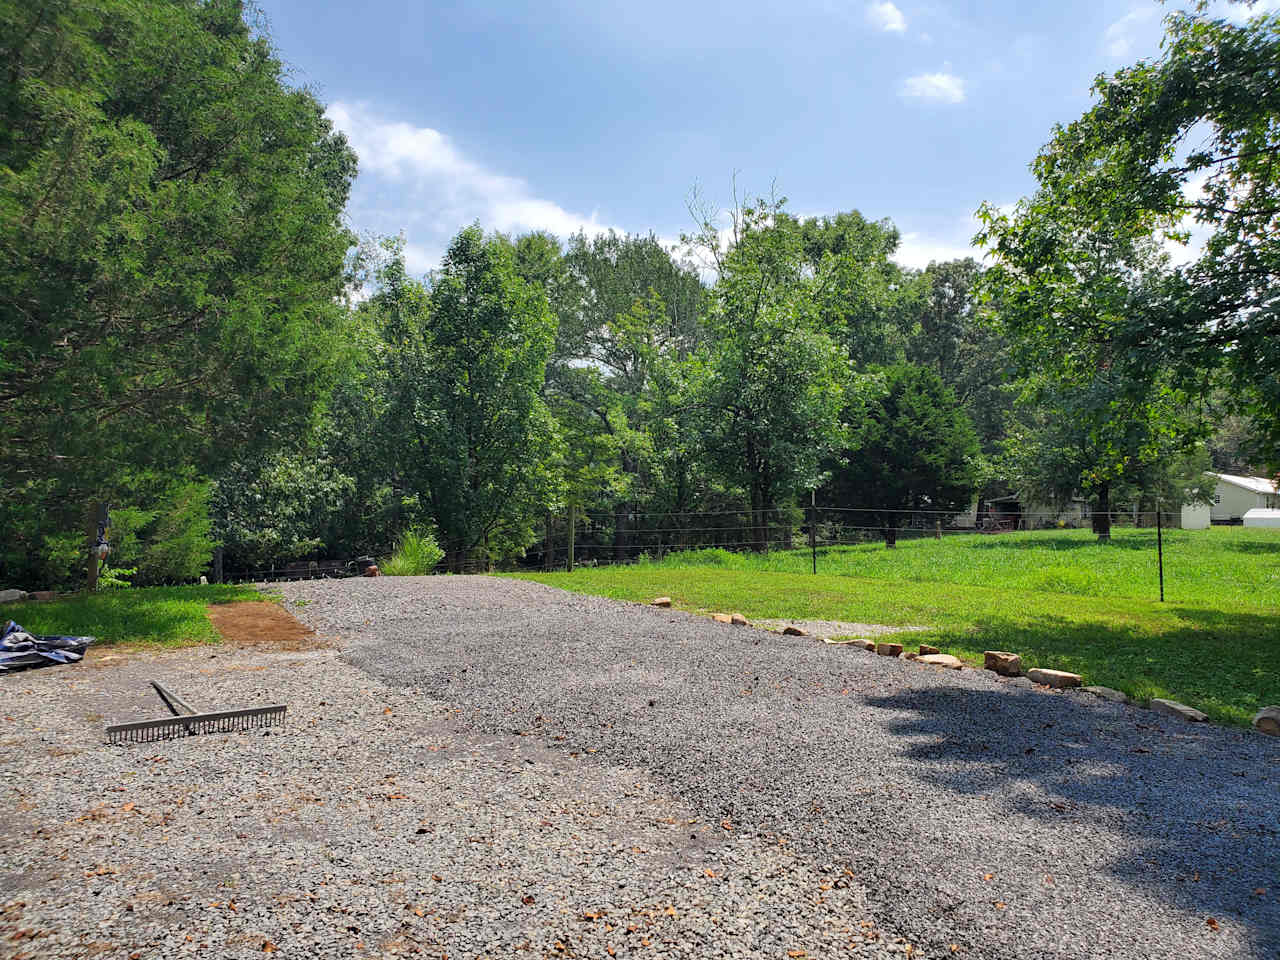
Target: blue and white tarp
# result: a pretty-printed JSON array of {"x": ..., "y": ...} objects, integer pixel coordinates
[{"x": 19, "y": 649}]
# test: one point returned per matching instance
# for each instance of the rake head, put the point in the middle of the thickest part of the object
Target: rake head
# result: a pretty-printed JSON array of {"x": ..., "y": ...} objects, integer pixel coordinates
[{"x": 221, "y": 721}]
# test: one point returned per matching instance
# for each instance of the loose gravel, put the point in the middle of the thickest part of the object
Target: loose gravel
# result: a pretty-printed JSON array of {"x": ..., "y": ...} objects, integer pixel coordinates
[
  {"x": 1003, "y": 821},
  {"x": 486, "y": 767},
  {"x": 374, "y": 824}
]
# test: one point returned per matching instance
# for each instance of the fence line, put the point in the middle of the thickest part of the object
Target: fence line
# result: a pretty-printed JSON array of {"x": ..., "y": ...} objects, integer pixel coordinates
[{"x": 600, "y": 540}]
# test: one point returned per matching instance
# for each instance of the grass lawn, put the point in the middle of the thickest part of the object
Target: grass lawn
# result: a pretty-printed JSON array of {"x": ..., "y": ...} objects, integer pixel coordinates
[
  {"x": 160, "y": 615},
  {"x": 1058, "y": 598}
]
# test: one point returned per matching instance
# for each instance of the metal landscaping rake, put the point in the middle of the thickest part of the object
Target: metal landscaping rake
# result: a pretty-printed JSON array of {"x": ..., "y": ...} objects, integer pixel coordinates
[{"x": 185, "y": 721}]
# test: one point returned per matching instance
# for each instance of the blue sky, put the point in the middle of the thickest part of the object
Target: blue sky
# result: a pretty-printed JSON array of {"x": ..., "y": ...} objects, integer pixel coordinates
[{"x": 561, "y": 114}]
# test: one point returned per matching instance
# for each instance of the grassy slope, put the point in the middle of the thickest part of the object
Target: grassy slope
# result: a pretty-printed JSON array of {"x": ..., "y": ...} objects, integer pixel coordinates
[
  {"x": 164, "y": 615},
  {"x": 1218, "y": 657}
]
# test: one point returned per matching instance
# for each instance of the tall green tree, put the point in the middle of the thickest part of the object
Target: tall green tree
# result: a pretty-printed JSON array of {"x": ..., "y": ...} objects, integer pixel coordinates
[
  {"x": 465, "y": 368},
  {"x": 915, "y": 450},
  {"x": 1189, "y": 138},
  {"x": 970, "y": 355},
  {"x": 776, "y": 381},
  {"x": 1065, "y": 293},
  {"x": 171, "y": 244}
]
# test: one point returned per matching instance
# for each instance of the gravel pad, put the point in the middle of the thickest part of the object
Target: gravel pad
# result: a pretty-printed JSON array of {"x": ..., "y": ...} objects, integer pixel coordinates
[
  {"x": 980, "y": 819},
  {"x": 372, "y": 824}
]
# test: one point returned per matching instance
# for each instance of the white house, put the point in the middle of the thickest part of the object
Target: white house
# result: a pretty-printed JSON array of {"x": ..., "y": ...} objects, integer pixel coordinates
[{"x": 1235, "y": 496}]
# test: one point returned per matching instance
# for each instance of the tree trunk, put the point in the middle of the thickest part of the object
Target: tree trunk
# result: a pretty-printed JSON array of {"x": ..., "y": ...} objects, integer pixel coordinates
[
  {"x": 91, "y": 549},
  {"x": 547, "y": 546},
  {"x": 757, "y": 517},
  {"x": 1102, "y": 514},
  {"x": 889, "y": 529}
]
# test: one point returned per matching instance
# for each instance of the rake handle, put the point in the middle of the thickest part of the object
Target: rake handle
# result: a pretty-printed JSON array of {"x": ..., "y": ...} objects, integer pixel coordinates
[{"x": 177, "y": 706}]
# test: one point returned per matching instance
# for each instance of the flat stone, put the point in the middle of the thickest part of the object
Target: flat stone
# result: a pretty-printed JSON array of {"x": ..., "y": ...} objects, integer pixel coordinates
[
  {"x": 1106, "y": 693},
  {"x": 1003, "y": 663},
  {"x": 942, "y": 660},
  {"x": 1172, "y": 708},
  {"x": 738, "y": 620},
  {"x": 1059, "y": 679},
  {"x": 889, "y": 649},
  {"x": 911, "y": 655},
  {"x": 1020, "y": 682},
  {"x": 927, "y": 650},
  {"x": 12, "y": 596},
  {"x": 722, "y": 618},
  {"x": 793, "y": 631},
  {"x": 660, "y": 602},
  {"x": 1267, "y": 720},
  {"x": 42, "y": 596}
]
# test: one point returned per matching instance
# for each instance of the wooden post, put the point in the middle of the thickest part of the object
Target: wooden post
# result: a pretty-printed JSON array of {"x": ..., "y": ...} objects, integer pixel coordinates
[
  {"x": 91, "y": 545},
  {"x": 573, "y": 522}
]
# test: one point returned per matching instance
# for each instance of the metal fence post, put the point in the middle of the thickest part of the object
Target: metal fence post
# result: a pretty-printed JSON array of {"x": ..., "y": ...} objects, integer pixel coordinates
[
  {"x": 1160, "y": 548},
  {"x": 813, "y": 527}
]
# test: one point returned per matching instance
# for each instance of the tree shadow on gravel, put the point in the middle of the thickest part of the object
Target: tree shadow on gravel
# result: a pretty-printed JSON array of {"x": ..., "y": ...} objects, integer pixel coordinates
[{"x": 1196, "y": 805}]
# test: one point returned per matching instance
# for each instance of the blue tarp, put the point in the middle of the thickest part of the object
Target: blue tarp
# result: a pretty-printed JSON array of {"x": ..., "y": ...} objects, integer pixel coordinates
[{"x": 19, "y": 649}]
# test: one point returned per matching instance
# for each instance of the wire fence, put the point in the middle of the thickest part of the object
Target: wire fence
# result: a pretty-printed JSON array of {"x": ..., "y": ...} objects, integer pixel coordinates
[{"x": 598, "y": 537}]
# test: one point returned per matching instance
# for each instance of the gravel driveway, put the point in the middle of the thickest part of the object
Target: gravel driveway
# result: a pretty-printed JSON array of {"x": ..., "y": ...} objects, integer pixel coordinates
[
  {"x": 494, "y": 768},
  {"x": 1007, "y": 822}
]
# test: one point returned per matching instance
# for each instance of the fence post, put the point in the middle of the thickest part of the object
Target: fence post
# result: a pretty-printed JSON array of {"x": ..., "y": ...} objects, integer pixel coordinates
[
  {"x": 573, "y": 519},
  {"x": 1160, "y": 548},
  {"x": 813, "y": 527}
]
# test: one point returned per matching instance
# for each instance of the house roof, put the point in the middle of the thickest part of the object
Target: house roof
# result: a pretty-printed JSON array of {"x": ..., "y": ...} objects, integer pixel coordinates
[{"x": 1253, "y": 484}]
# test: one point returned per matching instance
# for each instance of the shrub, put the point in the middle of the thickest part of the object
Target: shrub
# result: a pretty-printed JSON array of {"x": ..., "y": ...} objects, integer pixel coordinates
[{"x": 416, "y": 554}]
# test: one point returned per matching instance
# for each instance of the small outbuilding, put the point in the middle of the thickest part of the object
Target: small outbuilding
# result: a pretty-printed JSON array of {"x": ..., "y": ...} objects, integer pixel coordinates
[
  {"x": 1261, "y": 517},
  {"x": 1235, "y": 496}
]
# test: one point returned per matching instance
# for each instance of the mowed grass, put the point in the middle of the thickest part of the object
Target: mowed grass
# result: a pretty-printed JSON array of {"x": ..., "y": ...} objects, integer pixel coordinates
[
  {"x": 152, "y": 615},
  {"x": 1231, "y": 566},
  {"x": 1215, "y": 649}
]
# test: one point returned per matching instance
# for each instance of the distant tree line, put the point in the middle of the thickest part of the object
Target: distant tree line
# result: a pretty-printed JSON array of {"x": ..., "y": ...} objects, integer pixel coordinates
[{"x": 190, "y": 333}]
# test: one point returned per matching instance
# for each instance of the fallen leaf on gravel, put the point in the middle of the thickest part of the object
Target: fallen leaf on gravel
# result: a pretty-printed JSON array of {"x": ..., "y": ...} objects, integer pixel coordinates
[
  {"x": 1212, "y": 924},
  {"x": 437, "y": 878},
  {"x": 610, "y": 951},
  {"x": 670, "y": 911},
  {"x": 644, "y": 942},
  {"x": 527, "y": 900},
  {"x": 710, "y": 873},
  {"x": 988, "y": 876},
  {"x": 387, "y": 710},
  {"x": 795, "y": 953},
  {"x": 127, "y": 807},
  {"x": 1000, "y": 904},
  {"x": 726, "y": 824},
  {"x": 269, "y": 947},
  {"x": 1260, "y": 891}
]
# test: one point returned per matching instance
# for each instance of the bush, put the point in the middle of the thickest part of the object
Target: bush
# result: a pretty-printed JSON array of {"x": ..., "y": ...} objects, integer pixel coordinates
[{"x": 416, "y": 554}]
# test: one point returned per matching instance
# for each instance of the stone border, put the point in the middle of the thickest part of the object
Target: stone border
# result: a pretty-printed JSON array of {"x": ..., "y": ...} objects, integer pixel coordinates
[{"x": 1004, "y": 664}]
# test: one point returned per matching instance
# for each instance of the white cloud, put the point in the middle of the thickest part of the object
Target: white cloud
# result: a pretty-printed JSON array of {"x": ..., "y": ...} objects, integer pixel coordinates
[
  {"x": 940, "y": 87},
  {"x": 886, "y": 16},
  {"x": 438, "y": 189},
  {"x": 917, "y": 251},
  {"x": 1120, "y": 39}
]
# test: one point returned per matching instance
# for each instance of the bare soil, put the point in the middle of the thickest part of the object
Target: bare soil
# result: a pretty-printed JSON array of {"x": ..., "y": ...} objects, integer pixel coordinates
[{"x": 262, "y": 624}]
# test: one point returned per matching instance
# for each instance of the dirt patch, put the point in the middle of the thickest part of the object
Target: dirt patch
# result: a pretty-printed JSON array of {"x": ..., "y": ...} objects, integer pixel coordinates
[{"x": 260, "y": 624}]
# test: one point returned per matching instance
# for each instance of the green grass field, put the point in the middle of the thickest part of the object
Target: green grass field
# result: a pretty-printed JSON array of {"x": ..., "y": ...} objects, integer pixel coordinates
[
  {"x": 157, "y": 615},
  {"x": 1058, "y": 598}
]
